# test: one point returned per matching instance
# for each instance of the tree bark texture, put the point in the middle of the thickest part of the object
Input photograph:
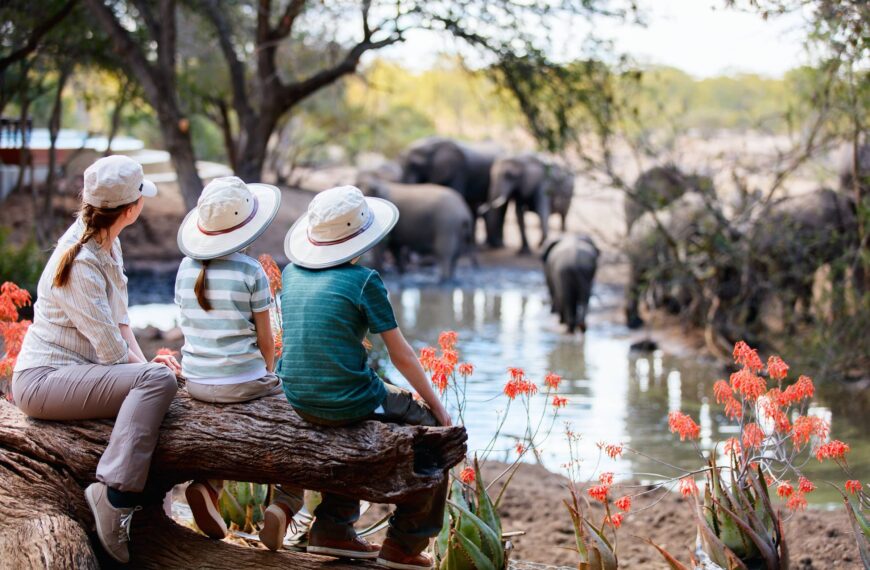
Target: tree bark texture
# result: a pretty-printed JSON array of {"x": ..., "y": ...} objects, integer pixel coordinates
[{"x": 45, "y": 466}]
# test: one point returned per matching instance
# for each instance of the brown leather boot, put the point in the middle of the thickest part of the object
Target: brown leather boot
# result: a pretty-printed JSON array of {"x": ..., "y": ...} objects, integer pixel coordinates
[
  {"x": 394, "y": 556},
  {"x": 355, "y": 547},
  {"x": 203, "y": 501}
]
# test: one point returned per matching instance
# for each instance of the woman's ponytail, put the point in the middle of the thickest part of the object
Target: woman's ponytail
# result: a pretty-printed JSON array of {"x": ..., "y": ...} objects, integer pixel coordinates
[
  {"x": 199, "y": 287},
  {"x": 65, "y": 266}
]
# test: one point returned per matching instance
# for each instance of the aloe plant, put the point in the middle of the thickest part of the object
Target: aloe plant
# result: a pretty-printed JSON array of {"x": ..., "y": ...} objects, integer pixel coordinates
[
  {"x": 595, "y": 550},
  {"x": 861, "y": 527},
  {"x": 242, "y": 504},
  {"x": 471, "y": 537}
]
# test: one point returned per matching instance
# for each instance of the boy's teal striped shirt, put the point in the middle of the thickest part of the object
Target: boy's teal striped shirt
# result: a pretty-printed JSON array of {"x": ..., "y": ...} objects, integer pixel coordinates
[
  {"x": 326, "y": 314},
  {"x": 222, "y": 342}
]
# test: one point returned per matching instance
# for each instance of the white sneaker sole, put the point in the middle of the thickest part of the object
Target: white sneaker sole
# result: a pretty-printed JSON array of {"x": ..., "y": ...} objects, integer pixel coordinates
[
  {"x": 93, "y": 506},
  {"x": 339, "y": 553},
  {"x": 271, "y": 535},
  {"x": 399, "y": 566},
  {"x": 212, "y": 523}
]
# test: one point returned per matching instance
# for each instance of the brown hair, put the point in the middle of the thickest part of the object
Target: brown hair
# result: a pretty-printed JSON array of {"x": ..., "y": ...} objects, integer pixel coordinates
[
  {"x": 199, "y": 287},
  {"x": 96, "y": 220}
]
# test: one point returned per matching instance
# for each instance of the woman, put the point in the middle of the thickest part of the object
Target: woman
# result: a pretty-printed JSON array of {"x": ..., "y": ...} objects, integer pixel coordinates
[{"x": 80, "y": 360}]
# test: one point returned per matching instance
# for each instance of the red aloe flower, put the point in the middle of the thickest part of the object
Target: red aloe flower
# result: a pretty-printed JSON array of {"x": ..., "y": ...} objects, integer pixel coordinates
[
  {"x": 552, "y": 380},
  {"x": 785, "y": 490},
  {"x": 467, "y": 476},
  {"x": 853, "y": 486},
  {"x": 688, "y": 487},
  {"x": 776, "y": 368},
  {"x": 681, "y": 423},
  {"x": 623, "y": 503}
]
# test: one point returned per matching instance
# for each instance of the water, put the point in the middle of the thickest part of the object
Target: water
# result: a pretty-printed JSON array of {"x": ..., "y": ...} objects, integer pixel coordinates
[{"x": 615, "y": 395}]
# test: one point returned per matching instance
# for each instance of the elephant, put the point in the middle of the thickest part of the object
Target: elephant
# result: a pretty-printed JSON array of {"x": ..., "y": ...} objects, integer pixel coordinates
[
  {"x": 662, "y": 243},
  {"x": 437, "y": 160},
  {"x": 433, "y": 220},
  {"x": 570, "y": 263},
  {"x": 533, "y": 183},
  {"x": 791, "y": 238},
  {"x": 659, "y": 186},
  {"x": 847, "y": 169}
]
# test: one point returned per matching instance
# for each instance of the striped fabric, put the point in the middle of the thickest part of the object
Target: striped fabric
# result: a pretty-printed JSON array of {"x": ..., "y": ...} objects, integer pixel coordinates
[
  {"x": 78, "y": 323},
  {"x": 326, "y": 314},
  {"x": 222, "y": 343}
]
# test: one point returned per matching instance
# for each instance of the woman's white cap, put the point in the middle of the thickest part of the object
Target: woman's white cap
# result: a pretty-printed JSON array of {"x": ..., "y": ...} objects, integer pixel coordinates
[
  {"x": 228, "y": 217},
  {"x": 114, "y": 181},
  {"x": 340, "y": 224}
]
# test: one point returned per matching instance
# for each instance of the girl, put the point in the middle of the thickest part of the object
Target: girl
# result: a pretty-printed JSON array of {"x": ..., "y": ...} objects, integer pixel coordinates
[
  {"x": 229, "y": 350},
  {"x": 80, "y": 360}
]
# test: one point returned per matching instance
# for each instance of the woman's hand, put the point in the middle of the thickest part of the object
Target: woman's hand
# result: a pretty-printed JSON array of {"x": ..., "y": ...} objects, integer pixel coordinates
[{"x": 169, "y": 361}]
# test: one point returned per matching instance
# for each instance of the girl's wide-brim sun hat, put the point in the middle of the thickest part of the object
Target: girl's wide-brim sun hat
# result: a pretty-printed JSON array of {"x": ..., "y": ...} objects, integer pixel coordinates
[
  {"x": 340, "y": 224},
  {"x": 228, "y": 217}
]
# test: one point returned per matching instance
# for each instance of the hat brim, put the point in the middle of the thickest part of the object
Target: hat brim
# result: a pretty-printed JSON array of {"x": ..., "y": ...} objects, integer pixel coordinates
[
  {"x": 197, "y": 245},
  {"x": 302, "y": 252},
  {"x": 149, "y": 189}
]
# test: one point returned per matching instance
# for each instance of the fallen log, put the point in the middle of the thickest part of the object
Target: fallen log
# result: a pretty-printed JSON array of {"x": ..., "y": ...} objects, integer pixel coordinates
[{"x": 45, "y": 466}]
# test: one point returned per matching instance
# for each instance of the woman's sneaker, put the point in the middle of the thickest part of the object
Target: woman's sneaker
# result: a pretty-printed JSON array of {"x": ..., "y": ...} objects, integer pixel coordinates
[
  {"x": 203, "y": 501},
  {"x": 113, "y": 524},
  {"x": 393, "y": 556},
  {"x": 275, "y": 521},
  {"x": 356, "y": 547}
]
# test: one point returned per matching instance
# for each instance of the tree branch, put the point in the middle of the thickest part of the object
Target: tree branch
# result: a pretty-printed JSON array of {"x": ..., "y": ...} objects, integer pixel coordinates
[
  {"x": 37, "y": 35},
  {"x": 285, "y": 24},
  {"x": 237, "y": 70}
]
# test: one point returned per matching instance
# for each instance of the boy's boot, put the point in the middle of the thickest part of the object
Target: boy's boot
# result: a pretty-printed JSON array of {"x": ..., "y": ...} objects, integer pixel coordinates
[
  {"x": 275, "y": 521},
  {"x": 113, "y": 523},
  {"x": 203, "y": 501},
  {"x": 394, "y": 556}
]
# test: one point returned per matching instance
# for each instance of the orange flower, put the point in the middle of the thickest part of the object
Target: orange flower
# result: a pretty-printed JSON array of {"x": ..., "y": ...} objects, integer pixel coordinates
[
  {"x": 516, "y": 373},
  {"x": 614, "y": 520},
  {"x": 450, "y": 356},
  {"x": 520, "y": 448},
  {"x": 797, "y": 502},
  {"x": 688, "y": 487},
  {"x": 798, "y": 391},
  {"x": 466, "y": 369},
  {"x": 733, "y": 408},
  {"x": 853, "y": 486},
  {"x": 613, "y": 450},
  {"x": 753, "y": 436},
  {"x": 15, "y": 295},
  {"x": 748, "y": 384},
  {"x": 834, "y": 449},
  {"x": 518, "y": 385},
  {"x": 784, "y": 490},
  {"x": 747, "y": 357},
  {"x": 681, "y": 423},
  {"x": 279, "y": 344},
  {"x": 722, "y": 391},
  {"x": 807, "y": 426},
  {"x": 805, "y": 485},
  {"x": 773, "y": 412},
  {"x": 447, "y": 340},
  {"x": 599, "y": 492},
  {"x": 623, "y": 503},
  {"x": 731, "y": 447},
  {"x": 606, "y": 478},
  {"x": 467, "y": 476},
  {"x": 552, "y": 380},
  {"x": 559, "y": 402},
  {"x": 427, "y": 358},
  {"x": 776, "y": 368}
]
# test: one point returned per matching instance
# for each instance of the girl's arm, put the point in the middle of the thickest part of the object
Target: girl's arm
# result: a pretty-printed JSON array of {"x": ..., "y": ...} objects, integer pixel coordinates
[
  {"x": 265, "y": 340},
  {"x": 405, "y": 360}
]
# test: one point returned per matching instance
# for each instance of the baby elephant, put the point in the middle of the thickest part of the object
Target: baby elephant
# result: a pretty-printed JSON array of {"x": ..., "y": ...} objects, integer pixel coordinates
[
  {"x": 433, "y": 221},
  {"x": 569, "y": 266}
]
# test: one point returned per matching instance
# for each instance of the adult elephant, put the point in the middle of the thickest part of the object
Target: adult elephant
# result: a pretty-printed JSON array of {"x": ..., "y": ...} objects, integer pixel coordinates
[
  {"x": 433, "y": 221},
  {"x": 794, "y": 237},
  {"x": 569, "y": 267},
  {"x": 442, "y": 161},
  {"x": 657, "y": 187},
  {"x": 534, "y": 184}
]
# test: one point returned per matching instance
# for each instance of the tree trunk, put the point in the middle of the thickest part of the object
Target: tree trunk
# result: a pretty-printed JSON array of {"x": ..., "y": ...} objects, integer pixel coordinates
[
  {"x": 44, "y": 467},
  {"x": 180, "y": 148},
  {"x": 253, "y": 142}
]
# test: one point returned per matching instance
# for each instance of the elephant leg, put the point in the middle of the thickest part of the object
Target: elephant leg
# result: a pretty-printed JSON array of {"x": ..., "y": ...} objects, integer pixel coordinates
[
  {"x": 632, "y": 299},
  {"x": 553, "y": 305},
  {"x": 542, "y": 207},
  {"x": 569, "y": 301},
  {"x": 399, "y": 257},
  {"x": 494, "y": 222},
  {"x": 585, "y": 292},
  {"x": 564, "y": 218},
  {"x": 521, "y": 222}
]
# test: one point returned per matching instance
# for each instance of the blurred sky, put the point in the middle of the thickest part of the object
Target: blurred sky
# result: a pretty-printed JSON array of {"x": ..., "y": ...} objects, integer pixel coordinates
[{"x": 698, "y": 36}]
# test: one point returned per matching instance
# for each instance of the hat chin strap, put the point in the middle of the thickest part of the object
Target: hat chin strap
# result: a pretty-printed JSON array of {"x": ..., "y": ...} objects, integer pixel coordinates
[
  {"x": 235, "y": 227},
  {"x": 362, "y": 228}
]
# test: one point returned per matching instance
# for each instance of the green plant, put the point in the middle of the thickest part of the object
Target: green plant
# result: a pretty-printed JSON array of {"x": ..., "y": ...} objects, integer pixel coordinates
[
  {"x": 20, "y": 264},
  {"x": 242, "y": 504}
]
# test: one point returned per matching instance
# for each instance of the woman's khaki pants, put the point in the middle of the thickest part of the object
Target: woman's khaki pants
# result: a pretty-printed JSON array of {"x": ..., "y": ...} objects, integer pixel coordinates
[{"x": 136, "y": 395}]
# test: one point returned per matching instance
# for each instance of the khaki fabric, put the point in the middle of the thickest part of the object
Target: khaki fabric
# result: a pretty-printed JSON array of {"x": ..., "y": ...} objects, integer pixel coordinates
[{"x": 268, "y": 385}]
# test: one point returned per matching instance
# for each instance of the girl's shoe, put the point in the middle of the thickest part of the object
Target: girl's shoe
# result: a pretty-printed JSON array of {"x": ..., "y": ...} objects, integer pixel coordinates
[
  {"x": 356, "y": 547},
  {"x": 203, "y": 501},
  {"x": 392, "y": 556},
  {"x": 275, "y": 521}
]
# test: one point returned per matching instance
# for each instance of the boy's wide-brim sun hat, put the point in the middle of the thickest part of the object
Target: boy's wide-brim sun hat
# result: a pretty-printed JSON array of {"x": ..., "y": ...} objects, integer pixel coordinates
[
  {"x": 228, "y": 217},
  {"x": 340, "y": 224}
]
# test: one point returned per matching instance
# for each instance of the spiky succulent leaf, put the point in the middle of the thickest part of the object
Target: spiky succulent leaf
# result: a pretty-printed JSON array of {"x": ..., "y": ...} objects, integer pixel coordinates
[
  {"x": 487, "y": 535},
  {"x": 862, "y": 530},
  {"x": 442, "y": 538},
  {"x": 672, "y": 562},
  {"x": 231, "y": 510},
  {"x": 485, "y": 508},
  {"x": 480, "y": 560}
]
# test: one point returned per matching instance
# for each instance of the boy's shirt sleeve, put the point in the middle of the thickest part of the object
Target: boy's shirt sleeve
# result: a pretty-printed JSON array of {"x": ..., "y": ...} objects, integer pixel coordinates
[
  {"x": 261, "y": 293},
  {"x": 375, "y": 304}
]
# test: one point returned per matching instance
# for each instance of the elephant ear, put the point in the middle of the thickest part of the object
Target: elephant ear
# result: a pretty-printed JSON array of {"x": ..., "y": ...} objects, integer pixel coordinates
[{"x": 547, "y": 246}]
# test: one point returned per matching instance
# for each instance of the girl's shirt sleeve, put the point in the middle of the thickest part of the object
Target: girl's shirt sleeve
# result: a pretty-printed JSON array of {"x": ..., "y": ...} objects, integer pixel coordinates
[
  {"x": 375, "y": 305},
  {"x": 261, "y": 293}
]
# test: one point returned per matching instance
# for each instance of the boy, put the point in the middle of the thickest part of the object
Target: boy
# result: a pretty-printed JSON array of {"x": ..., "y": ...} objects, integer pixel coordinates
[{"x": 328, "y": 304}]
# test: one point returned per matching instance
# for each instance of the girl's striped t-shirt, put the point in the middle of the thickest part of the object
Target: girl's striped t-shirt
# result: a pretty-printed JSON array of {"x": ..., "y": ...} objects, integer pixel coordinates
[{"x": 221, "y": 344}]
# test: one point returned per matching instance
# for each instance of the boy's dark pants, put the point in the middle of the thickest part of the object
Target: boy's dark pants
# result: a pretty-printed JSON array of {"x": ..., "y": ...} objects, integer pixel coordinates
[{"x": 414, "y": 521}]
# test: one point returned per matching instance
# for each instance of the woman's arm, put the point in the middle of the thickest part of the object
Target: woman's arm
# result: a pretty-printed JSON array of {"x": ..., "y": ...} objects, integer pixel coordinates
[
  {"x": 405, "y": 360},
  {"x": 265, "y": 340},
  {"x": 132, "y": 343}
]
